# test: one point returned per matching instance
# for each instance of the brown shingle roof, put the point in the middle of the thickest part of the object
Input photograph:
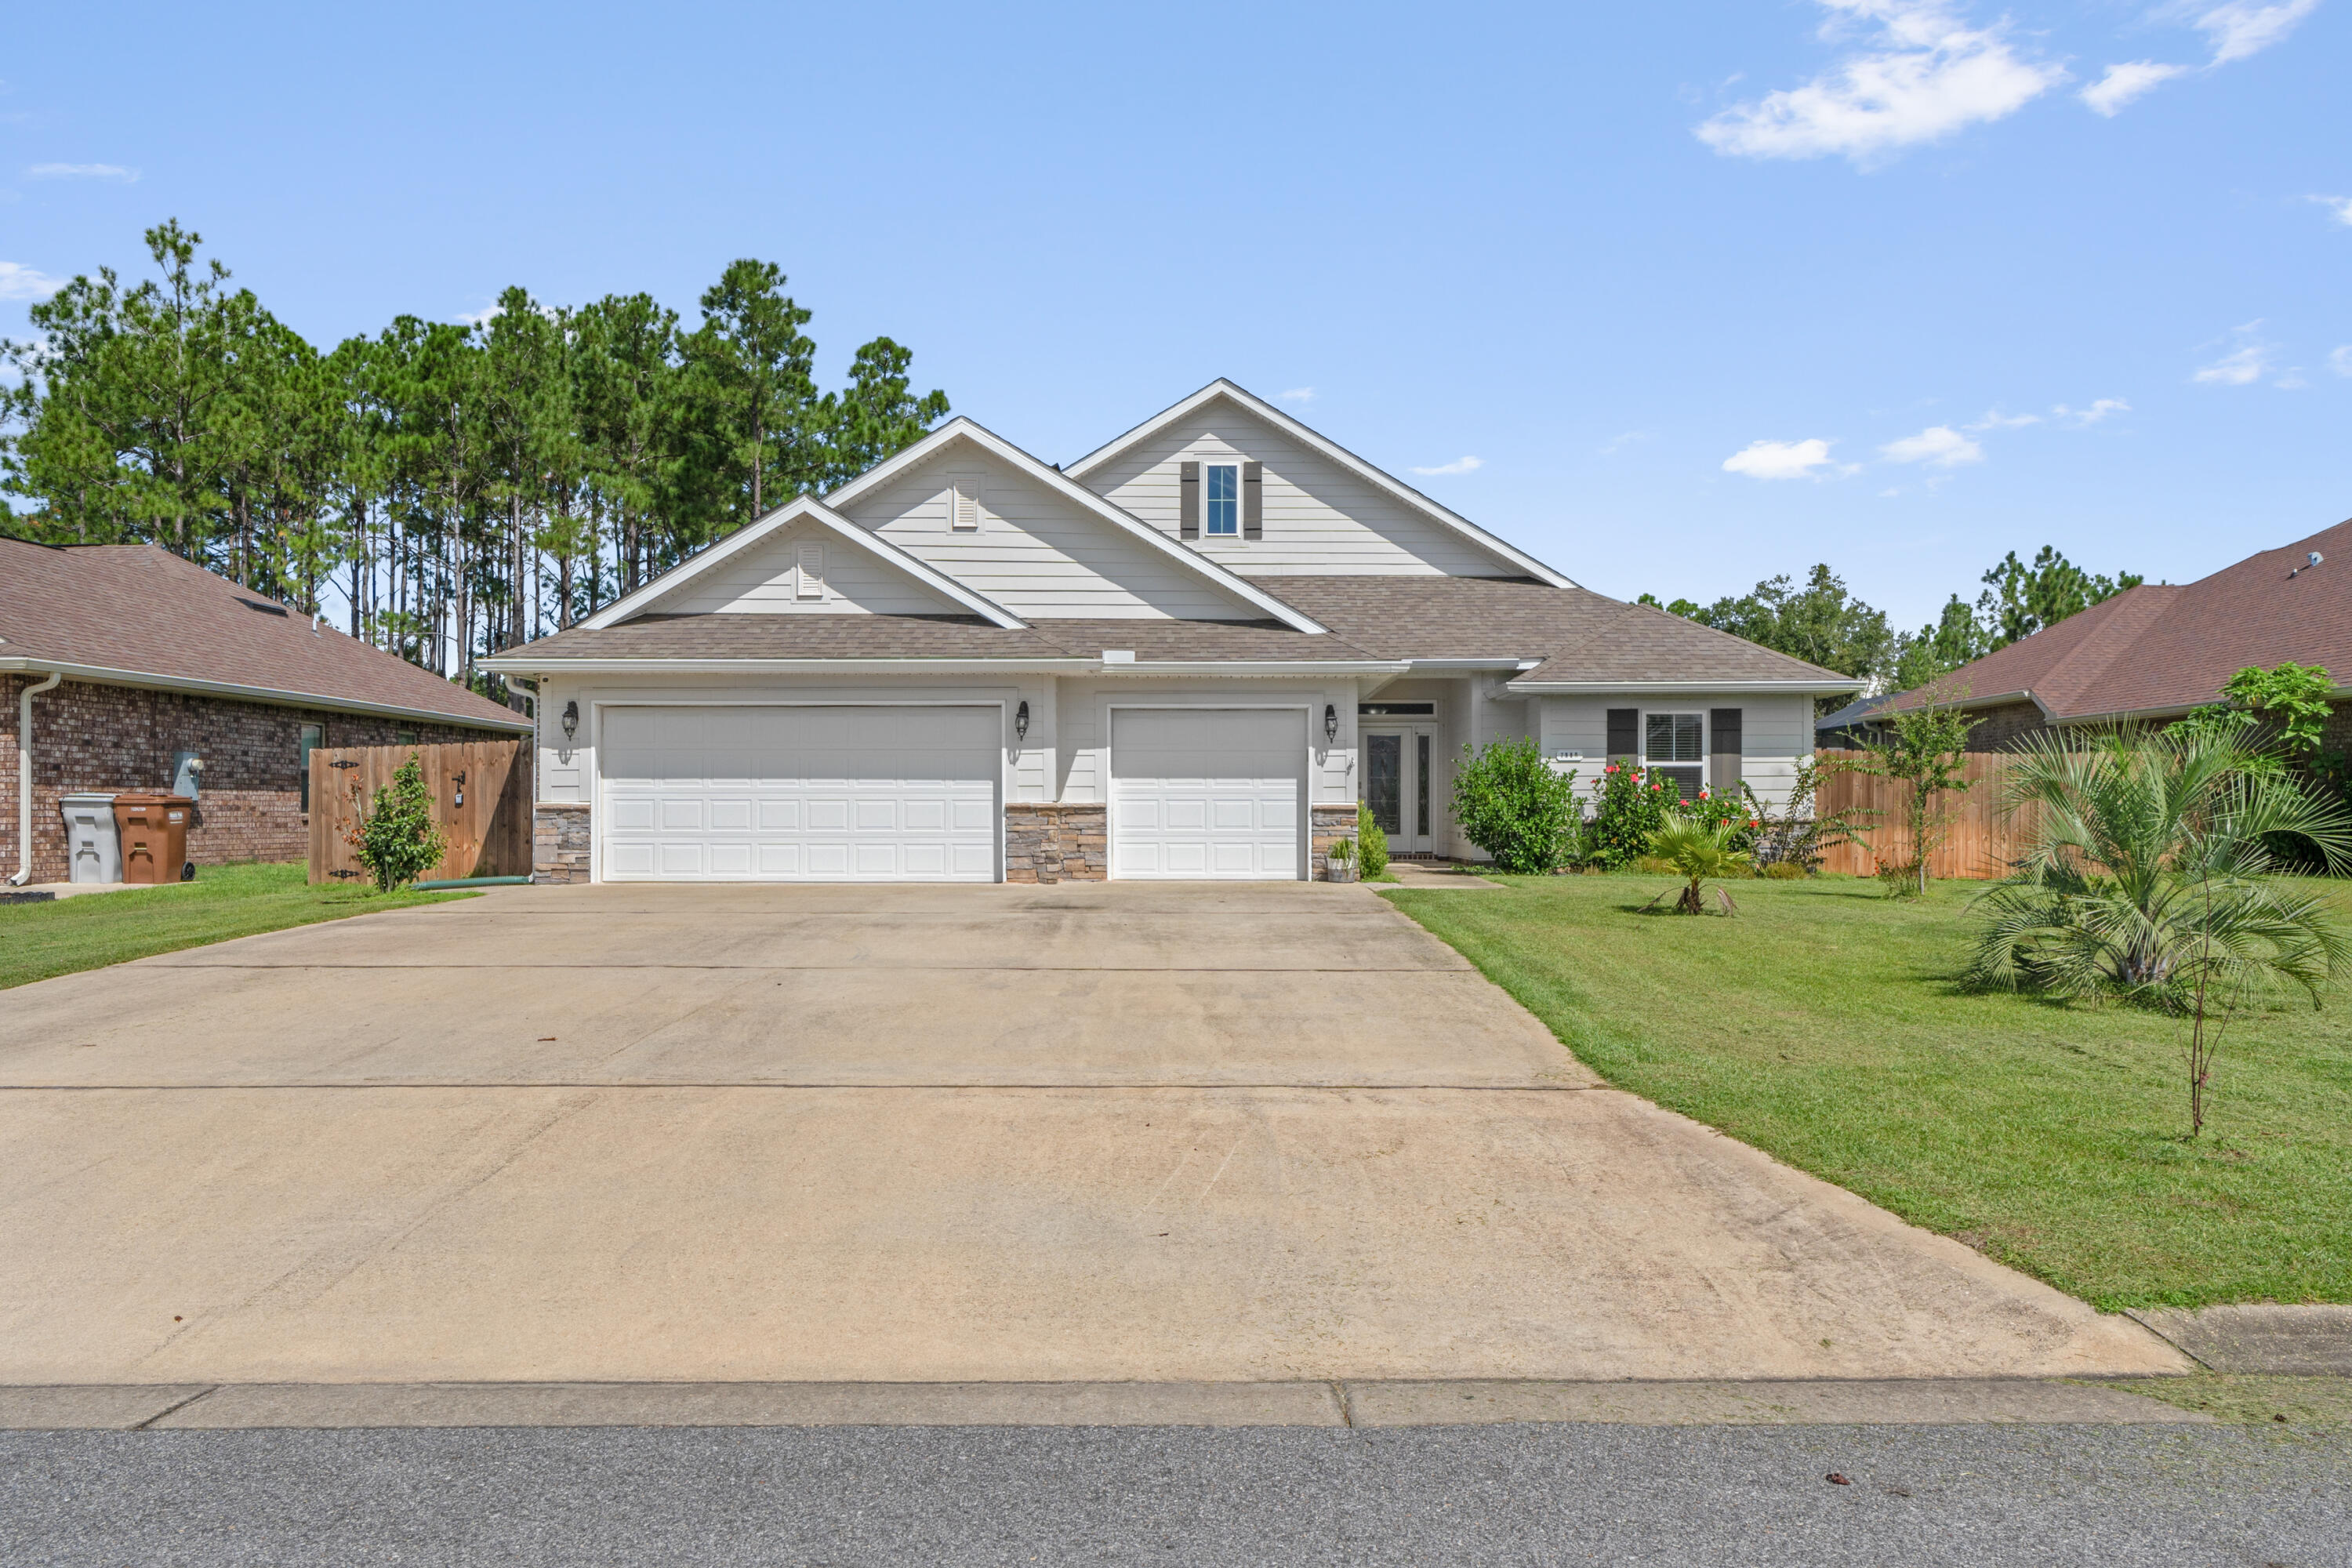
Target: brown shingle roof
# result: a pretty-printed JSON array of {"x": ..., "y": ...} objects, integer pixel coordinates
[
  {"x": 2158, "y": 649},
  {"x": 789, "y": 636},
  {"x": 1579, "y": 635},
  {"x": 163, "y": 621}
]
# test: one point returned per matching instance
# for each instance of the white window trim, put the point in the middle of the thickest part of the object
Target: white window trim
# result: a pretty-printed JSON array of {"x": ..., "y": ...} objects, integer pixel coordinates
[
  {"x": 1208, "y": 466},
  {"x": 1699, "y": 766}
]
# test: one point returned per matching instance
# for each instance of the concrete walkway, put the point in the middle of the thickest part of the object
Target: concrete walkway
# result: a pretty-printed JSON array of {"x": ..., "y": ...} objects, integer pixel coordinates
[{"x": 1124, "y": 1133}]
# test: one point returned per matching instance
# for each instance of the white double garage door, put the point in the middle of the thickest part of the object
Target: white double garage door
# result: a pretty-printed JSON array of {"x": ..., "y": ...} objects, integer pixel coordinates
[{"x": 780, "y": 793}]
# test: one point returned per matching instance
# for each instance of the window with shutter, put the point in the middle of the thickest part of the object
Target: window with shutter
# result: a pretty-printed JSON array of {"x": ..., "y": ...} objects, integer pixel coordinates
[
  {"x": 811, "y": 572},
  {"x": 1723, "y": 747},
  {"x": 1672, "y": 745},
  {"x": 1222, "y": 517}
]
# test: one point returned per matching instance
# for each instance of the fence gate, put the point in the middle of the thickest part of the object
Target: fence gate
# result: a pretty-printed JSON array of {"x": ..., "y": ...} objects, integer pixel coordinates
[{"x": 481, "y": 803}]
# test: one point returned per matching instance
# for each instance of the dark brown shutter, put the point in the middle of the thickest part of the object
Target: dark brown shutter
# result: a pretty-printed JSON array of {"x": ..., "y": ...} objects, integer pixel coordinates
[
  {"x": 1188, "y": 500},
  {"x": 1723, "y": 725},
  {"x": 1253, "y": 500},
  {"x": 1625, "y": 735}
]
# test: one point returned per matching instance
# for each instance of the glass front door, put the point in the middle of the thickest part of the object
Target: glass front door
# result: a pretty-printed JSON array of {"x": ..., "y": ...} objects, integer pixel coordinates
[{"x": 1396, "y": 787}]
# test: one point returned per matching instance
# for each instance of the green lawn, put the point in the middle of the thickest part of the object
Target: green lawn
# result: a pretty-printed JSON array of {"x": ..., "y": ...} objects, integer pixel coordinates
[
  {"x": 39, "y": 941},
  {"x": 1824, "y": 1026}
]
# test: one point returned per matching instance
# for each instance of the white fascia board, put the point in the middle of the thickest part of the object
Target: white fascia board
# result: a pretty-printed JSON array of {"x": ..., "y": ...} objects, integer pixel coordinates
[
  {"x": 98, "y": 675},
  {"x": 987, "y": 440},
  {"x": 1443, "y": 516},
  {"x": 523, "y": 664},
  {"x": 1254, "y": 669},
  {"x": 798, "y": 509},
  {"x": 1443, "y": 665},
  {"x": 1678, "y": 688}
]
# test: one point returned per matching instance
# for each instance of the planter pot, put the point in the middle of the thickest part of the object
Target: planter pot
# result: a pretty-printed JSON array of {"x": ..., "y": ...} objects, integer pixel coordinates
[{"x": 1339, "y": 871}]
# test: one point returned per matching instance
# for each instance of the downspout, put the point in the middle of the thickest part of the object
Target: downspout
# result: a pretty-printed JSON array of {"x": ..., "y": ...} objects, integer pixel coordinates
[{"x": 24, "y": 872}]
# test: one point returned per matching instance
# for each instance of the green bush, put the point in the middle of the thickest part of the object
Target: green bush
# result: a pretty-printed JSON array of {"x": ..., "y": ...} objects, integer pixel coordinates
[
  {"x": 1783, "y": 871},
  {"x": 1371, "y": 843},
  {"x": 397, "y": 840},
  {"x": 1633, "y": 805},
  {"x": 1510, "y": 803}
]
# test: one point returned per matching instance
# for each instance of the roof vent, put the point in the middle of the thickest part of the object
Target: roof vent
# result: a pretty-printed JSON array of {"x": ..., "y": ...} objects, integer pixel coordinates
[
  {"x": 1118, "y": 656},
  {"x": 265, "y": 609},
  {"x": 2310, "y": 561}
]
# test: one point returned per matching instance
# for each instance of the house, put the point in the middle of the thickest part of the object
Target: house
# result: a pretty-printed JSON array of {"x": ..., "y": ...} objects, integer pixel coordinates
[
  {"x": 2152, "y": 653},
  {"x": 1189, "y": 653},
  {"x": 120, "y": 663}
]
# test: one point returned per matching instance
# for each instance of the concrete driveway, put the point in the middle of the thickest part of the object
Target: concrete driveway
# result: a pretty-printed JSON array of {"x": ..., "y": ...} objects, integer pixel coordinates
[{"x": 1124, "y": 1132}]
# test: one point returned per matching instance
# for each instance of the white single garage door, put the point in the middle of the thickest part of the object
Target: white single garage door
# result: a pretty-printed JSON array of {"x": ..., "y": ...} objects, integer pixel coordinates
[
  {"x": 799, "y": 793},
  {"x": 1208, "y": 792}
]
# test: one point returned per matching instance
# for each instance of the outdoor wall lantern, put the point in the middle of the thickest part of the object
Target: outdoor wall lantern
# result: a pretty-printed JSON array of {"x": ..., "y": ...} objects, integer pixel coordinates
[
  {"x": 571, "y": 720},
  {"x": 1331, "y": 723},
  {"x": 1020, "y": 723}
]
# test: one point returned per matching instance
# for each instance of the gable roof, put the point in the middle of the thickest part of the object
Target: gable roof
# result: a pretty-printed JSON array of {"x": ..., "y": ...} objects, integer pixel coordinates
[
  {"x": 1250, "y": 402},
  {"x": 800, "y": 508},
  {"x": 133, "y": 614},
  {"x": 2160, "y": 650},
  {"x": 1573, "y": 638},
  {"x": 1114, "y": 516}
]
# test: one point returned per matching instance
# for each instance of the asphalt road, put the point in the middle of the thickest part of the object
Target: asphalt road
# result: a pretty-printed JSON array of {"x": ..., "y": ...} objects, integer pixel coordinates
[{"x": 1550, "y": 1494}]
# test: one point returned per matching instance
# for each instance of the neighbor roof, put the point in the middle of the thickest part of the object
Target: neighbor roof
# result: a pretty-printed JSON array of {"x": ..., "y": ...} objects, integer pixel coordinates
[
  {"x": 2155, "y": 649},
  {"x": 1576, "y": 638},
  {"x": 133, "y": 614}
]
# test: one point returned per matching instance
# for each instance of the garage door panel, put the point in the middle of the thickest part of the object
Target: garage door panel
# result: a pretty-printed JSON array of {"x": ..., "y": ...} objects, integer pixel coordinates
[
  {"x": 1208, "y": 792},
  {"x": 778, "y": 792}
]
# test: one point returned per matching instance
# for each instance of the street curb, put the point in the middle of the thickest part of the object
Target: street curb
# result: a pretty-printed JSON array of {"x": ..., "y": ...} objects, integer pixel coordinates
[
  {"x": 1346, "y": 1403},
  {"x": 2279, "y": 1340}
]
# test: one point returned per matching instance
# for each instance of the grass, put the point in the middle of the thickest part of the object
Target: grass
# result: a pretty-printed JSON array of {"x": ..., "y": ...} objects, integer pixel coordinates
[
  {"x": 2251, "y": 1399},
  {"x": 1825, "y": 1025},
  {"x": 40, "y": 940}
]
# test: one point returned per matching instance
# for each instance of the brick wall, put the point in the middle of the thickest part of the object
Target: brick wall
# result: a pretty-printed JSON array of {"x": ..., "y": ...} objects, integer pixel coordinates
[
  {"x": 2000, "y": 728},
  {"x": 118, "y": 737},
  {"x": 1056, "y": 843},
  {"x": 1332, "y": 823}
]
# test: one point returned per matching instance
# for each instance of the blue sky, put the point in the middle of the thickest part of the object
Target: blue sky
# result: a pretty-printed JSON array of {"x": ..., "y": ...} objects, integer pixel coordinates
[{"x": 1708, "y": 290}]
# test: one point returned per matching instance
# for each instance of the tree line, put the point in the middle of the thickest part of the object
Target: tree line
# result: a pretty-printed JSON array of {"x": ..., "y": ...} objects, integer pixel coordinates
[
  {"x": 1819, "y": 622},
  {"x": 459, "y": 488}
]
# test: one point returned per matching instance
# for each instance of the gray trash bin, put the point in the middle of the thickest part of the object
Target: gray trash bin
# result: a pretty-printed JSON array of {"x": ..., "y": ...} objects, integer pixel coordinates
[{"x": 93, "y": 847}]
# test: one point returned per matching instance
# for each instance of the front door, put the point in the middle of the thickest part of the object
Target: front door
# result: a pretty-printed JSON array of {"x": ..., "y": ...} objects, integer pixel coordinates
[{"x": 1396, "y": 787}]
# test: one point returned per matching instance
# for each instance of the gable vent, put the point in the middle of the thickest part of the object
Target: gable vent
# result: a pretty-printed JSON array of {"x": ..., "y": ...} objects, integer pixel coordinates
[
  {"x": 811, "y": 572},
  {"x": 967, "y": 509}
]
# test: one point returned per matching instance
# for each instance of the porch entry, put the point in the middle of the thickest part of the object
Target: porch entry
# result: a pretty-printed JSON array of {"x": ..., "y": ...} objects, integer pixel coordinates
[{"x": 1399, "y": 755}]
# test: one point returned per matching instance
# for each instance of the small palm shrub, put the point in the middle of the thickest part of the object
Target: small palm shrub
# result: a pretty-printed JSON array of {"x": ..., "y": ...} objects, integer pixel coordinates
[
  {"x": 1699, "y": 852},
  {"x": 2148, "y": 877},
  {"x": 1371, "y": 843},
  {"x": 395, "y": 839},
  {"x": 1510, "y": 803}
]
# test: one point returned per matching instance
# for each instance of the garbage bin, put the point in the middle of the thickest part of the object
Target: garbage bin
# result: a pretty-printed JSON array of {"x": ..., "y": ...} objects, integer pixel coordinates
[
  {"x": 93, "y": 849},
  {"x": 154, "y": 829}
]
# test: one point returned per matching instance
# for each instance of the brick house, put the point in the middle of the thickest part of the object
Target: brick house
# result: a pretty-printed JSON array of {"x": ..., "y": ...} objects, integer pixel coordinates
[
  {"x": 2152, "y": 654},
  {"x": 158, "y": 658}
]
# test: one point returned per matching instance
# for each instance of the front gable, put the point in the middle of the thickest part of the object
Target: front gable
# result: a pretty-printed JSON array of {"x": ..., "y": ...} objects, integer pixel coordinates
[
  {"x": 1326, "y": 512},
  {"x": 805, "y": 569},
  {"x": 1006, "y": 526}
]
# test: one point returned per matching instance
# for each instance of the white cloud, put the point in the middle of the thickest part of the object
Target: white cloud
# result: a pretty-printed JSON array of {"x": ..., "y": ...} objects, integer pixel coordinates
[
  {"x": 1995, "y": 419},
  {"x": 482, "y": 317},
  {"x": 2340, "y": 361},
  {"x": 1780, "y": 459},
  {"x": 2245, "y": 28},
  {"x": 1925, "y": 76},
  {"x": 2242, "y": 366},
  {"x": 83, "y": 171},
  {"x": 1458, "y": 466},
  {"x": 19, "y": 281},
  {"x": 1617, "y": 444},
  {"x": 2100, "y": 408},
  {"x": 2127, "y": 82},
  {"x": 1938, "y": 445},
  {"x": 2340, "y": 206},
  {"x": 1296, "y": 394}
]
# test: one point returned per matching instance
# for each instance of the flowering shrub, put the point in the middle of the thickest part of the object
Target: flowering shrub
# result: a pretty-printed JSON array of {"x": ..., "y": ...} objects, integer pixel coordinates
[
  {"x": 1735, "y": 813},
  {"x": 1631, "y": 807}
]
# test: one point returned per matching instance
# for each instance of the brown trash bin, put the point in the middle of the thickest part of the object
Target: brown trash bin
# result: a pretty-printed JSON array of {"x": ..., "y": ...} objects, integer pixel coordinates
[{"x": 154, "y": 831}]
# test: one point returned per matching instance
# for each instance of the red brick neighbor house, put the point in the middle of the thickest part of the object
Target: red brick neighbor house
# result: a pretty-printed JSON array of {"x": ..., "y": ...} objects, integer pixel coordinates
[
  {"x": 131, "y": 660},
  {"x": 2153, "y": 653}
]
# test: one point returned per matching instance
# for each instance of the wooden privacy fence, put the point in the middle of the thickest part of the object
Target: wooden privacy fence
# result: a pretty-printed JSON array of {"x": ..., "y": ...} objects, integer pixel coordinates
[
  {"x": 481, "y": 803},
  {"x": 1980, "y": 842}
]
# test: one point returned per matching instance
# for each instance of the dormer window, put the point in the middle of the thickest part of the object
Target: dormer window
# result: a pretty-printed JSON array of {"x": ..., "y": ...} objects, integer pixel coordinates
[{"x": 1222, "y": 515}]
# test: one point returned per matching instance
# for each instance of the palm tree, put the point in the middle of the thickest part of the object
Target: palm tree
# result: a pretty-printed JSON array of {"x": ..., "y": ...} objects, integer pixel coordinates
[
  {"x": 2147, "y": 877},
  {"x": 1701, "y": 854}
]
